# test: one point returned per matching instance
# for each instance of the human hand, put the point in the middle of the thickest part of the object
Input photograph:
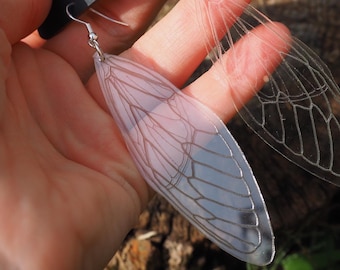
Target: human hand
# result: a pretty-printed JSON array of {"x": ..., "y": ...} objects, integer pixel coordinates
[{"x": 69, "y": 190}]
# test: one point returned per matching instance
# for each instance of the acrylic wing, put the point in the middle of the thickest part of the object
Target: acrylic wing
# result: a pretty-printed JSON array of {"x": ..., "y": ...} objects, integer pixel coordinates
[
  {"x": 298, "y": 110},
  {"x": 188, "y": 156}
]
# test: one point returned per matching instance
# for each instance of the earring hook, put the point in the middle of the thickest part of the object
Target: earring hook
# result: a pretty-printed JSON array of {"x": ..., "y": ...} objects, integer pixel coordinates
[
  {"x": 93, "y": 38},
  {"x": 107, "y": 17}
]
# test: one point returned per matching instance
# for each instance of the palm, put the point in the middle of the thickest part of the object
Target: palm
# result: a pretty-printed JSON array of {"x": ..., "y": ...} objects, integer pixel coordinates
[
  {"x": 60, "y": 154},
  {"x": 69, "y": 190},
  {"x": 65, "y": 172}
]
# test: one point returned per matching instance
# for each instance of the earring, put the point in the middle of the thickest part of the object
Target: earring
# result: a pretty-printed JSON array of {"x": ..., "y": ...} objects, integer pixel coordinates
[{"x": 186, "y": 154}]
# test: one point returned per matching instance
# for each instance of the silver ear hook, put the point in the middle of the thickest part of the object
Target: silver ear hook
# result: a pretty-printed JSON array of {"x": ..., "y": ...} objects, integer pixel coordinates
[
  {"x": 93, "y": 38},
  {"x": 108, "y": 18}
]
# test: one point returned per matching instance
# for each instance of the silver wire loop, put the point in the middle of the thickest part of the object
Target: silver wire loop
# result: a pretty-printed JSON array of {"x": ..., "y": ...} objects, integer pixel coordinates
[{"x": 94, "y": 44}]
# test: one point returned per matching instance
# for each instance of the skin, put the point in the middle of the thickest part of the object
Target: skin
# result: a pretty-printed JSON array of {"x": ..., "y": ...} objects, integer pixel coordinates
[{"x": 69, "y": 191}]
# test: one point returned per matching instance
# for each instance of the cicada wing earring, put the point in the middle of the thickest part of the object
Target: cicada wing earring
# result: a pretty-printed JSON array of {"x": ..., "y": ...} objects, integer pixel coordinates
[{"x": 185, "y": 153}]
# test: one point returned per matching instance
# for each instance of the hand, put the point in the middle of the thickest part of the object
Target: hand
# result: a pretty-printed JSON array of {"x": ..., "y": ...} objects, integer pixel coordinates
[{"x": 69, "y": 191}]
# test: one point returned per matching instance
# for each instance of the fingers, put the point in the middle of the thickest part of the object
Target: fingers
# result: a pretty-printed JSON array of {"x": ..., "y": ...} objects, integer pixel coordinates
[
  {"x": 242, "y": 71},
  {"x": 21, "y": 17},
  {"x": 72, "y": 45},
  {"x": 178, "y": 43}
]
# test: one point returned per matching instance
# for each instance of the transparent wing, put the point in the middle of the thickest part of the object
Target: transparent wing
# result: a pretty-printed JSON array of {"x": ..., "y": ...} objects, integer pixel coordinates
[
  {"x": 297, "y": 111},
  {"x": 186, "y": 154}
]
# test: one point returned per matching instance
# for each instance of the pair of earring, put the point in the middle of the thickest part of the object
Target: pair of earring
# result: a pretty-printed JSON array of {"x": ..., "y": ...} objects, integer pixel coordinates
[{"x": 186, "y": 153}]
